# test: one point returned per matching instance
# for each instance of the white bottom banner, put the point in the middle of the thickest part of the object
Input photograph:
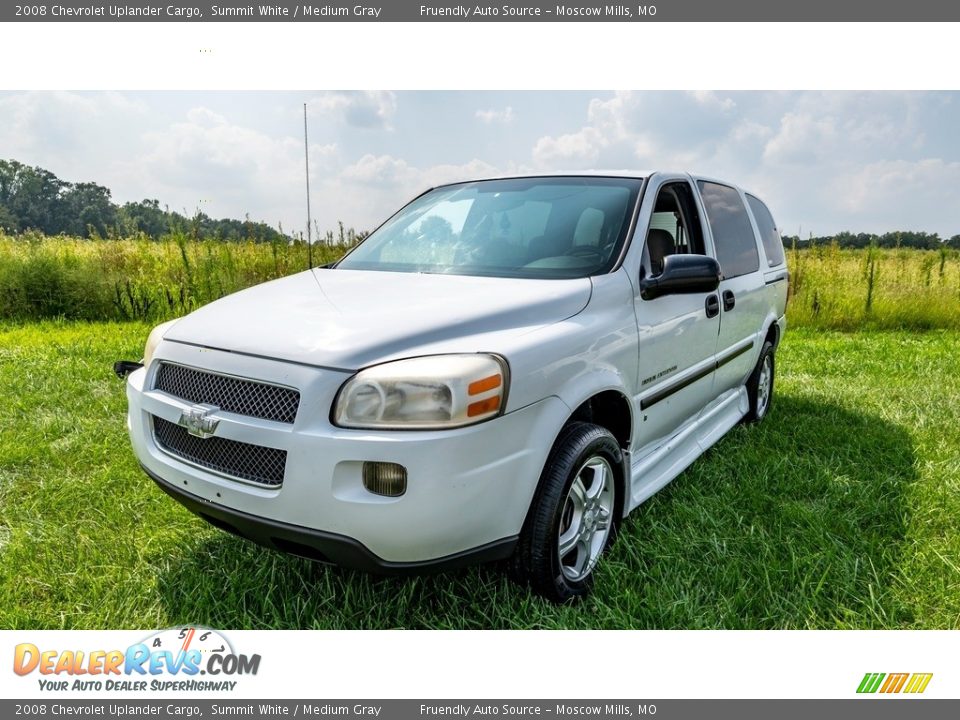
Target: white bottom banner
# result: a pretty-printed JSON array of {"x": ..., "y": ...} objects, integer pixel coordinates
[{"x": 199, "y": 662}]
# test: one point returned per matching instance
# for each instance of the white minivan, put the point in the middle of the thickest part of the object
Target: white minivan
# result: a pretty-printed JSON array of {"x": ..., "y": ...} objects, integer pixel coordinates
[{"x": 504, "y": 369}]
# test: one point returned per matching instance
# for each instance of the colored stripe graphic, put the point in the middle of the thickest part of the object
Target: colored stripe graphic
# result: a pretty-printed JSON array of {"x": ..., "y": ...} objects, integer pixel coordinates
[
  {"x": 894, "y": 683},
  {"x": 918, "y": 682},
  {"x": 870, "y": 682}
]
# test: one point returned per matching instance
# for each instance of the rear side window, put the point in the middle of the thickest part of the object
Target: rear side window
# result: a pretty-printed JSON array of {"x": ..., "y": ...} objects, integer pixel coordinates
[
  {"x": 772, "y": 244},
  {"x": 732, "y": 232}
]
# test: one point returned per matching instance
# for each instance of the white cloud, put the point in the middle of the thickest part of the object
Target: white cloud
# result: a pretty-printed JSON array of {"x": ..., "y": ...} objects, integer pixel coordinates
[
  {"x": 443, "y": 174},
  {"x": 205, "y": 117},
  {"x": 575, "y": 151},
  {"x": 374, "y": 186},
  {"x": 66, "y": 132},
  {"x": 498, "y": 117},
  {"x": 205, "y": 160},
  {"x": 387, "y": 171},
  {"x": 607, "y": 127},
  {"x": 224, "y": 169},
  {"x": 802, "y": 138},
  {"x": 634, "y": 129},
  {"x": 710, "y": 99},
  {"x": 372, "y": 109},
  {"x": 380, "y": 169},
  {"x": 825, "y": 160},
  {"x": 929, "y": 185}
]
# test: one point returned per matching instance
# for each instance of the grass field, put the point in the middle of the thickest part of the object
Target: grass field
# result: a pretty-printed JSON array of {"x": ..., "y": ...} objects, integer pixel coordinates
[
  {"x": 140, "y": 279},
  {"x": 137, "y": 278},
  {"x": 891, "y": 289},
  {"x": 841, "y": 510}
]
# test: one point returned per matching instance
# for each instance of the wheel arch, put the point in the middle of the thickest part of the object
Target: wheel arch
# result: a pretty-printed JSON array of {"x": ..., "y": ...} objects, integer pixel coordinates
[
  {"x": 608, "y": 405},
  {"x": 609, "y": 409},
  {"x": 772, "y": 331},
  {"x": 602, "y": 394}
]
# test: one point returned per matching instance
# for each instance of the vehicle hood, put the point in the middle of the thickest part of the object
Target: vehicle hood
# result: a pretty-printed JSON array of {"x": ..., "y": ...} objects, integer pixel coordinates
[{"x": 350, "y": 318}]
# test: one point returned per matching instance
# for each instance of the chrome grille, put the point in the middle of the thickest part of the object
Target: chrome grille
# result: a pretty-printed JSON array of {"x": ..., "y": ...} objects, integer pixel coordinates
[
  {"x": 244, "y": 461},
  {"x": 235, "y": 395}
]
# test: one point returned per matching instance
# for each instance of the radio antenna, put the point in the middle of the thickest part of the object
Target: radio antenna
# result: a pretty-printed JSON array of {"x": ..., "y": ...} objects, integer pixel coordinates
[{"x": 306, "y": 160}]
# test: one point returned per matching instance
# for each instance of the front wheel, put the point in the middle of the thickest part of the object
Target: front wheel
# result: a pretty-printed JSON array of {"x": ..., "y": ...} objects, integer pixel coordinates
[
  {"x": 760, "y": 385},
  {"x": 573, "y": 516}
]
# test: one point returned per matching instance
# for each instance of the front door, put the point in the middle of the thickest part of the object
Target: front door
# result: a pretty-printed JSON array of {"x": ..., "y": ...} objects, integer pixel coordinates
[{"x": 677, "y": 333}]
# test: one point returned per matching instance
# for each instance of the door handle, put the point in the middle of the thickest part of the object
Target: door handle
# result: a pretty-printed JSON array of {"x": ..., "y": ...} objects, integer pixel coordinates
[
  {"x": 729, "y": 300},
  {"x": 712, "y": 305}
]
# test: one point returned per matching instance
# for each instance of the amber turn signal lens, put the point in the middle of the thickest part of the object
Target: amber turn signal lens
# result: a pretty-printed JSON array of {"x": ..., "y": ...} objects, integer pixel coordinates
[
  {"x": 482, "y": 407},
  {"x": 482, "y": 386}
]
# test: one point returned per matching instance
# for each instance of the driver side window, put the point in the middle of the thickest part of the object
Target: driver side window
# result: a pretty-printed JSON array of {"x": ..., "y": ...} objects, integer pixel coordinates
[{"x": 674, "y": 227}]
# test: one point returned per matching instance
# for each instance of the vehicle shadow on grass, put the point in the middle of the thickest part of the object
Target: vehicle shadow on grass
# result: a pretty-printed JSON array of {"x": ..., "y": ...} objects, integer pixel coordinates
[{"x": 796, "y": 522}]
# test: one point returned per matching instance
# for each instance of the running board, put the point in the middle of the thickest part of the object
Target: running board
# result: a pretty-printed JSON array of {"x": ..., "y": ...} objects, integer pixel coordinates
[{"x": 650, "y": 473}]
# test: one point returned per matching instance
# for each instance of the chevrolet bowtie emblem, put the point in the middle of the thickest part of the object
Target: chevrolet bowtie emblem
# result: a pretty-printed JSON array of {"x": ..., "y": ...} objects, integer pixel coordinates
[{"x": 198, "y": 422}]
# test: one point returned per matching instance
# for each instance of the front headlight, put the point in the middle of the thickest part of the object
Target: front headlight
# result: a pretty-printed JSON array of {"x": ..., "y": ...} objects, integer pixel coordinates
[
  {"x": 156, "y": 335},
  {"x": 439, "y": 391}
]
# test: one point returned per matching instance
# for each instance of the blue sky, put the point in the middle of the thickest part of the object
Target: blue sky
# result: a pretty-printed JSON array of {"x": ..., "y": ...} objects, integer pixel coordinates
[{"x": 824, "y": 161}]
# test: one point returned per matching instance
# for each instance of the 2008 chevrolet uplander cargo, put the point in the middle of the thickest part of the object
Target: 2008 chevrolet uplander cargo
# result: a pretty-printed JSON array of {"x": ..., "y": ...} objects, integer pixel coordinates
[{"x": 504, "y": 369}]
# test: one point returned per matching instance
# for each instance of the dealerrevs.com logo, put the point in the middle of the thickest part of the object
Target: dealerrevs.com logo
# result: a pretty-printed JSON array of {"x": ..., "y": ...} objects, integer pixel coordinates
[
  {"x": 889, "y": 683},
  {"x": 178, "y": 659}
]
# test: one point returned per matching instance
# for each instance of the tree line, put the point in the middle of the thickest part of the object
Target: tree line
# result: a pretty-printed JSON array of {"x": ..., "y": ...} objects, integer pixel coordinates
[
  {"x": 900, "y": 238},
  {"x": 32, "y": 198}
]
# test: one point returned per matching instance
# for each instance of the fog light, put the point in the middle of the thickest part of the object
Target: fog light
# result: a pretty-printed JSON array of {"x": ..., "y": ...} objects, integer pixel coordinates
[{"x": 382, "y": 478}]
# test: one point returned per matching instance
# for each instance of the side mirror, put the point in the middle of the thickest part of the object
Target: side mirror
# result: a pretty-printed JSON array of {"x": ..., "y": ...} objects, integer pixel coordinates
[{"x": 682, "y": 274}]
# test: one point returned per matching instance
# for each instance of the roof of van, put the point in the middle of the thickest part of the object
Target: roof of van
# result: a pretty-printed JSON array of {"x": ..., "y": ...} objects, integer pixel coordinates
[
  {"x": 637, "y": 174},
  {"x": 570, "y": 173}
]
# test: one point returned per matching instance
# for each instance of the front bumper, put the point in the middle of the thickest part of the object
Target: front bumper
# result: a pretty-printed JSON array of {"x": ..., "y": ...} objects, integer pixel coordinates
[
  {"x": 323, "y": 546},
  {"x": 468, "y": 488}
]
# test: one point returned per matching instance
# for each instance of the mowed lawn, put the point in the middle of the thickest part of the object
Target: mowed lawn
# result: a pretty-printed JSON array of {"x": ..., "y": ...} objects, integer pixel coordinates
[{"x": 842, "y": 510}]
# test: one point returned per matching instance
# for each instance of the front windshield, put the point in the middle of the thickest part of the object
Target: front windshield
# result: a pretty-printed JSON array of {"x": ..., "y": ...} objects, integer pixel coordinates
[{"x": 552, "y": 227}]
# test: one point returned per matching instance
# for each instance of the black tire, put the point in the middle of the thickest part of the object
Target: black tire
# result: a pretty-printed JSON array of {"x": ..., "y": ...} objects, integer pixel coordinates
[
  {"x": 579, "y": 451},
  {"x": 760, "y": 402}
]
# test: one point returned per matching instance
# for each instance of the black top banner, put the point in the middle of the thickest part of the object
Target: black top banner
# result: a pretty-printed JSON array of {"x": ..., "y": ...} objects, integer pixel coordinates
[{"x": 517, "y": 11}]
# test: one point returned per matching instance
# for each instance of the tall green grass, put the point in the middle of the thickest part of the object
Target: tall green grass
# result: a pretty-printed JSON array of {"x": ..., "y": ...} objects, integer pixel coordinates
[
  {"x": 142, "y": 279},
  {"x": 882, "y": 289},
  {"x": 136, "y": 278}
]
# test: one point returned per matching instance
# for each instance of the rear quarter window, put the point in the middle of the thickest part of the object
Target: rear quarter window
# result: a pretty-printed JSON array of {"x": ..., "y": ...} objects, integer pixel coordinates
[
  {"x": 733, "y": 236},
  {"x": 769, "y": 235}
]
